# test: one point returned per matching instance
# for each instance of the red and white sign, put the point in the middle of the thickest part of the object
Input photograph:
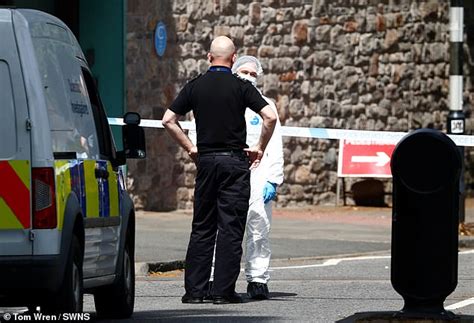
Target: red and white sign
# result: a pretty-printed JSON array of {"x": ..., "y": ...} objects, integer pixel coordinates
[{"x": 364, "y": 159}]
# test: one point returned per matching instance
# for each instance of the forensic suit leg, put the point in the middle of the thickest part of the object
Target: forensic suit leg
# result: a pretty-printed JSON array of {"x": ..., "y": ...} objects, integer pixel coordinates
[{"x": 258, "y": 252}]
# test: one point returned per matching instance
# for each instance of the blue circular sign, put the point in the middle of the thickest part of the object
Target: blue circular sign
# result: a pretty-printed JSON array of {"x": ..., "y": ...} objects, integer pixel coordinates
[{"x": 160, "y": 38}]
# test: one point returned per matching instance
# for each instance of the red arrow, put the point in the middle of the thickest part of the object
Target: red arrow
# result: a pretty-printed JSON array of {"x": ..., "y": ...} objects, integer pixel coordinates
[{"x": 15, "y": 194}]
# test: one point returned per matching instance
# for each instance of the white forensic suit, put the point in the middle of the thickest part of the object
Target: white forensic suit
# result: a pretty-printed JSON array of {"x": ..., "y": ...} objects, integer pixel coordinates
[{"x": 259, "y": 217}]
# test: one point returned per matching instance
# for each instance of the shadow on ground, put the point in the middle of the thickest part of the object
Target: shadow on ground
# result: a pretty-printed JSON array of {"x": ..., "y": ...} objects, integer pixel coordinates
[
  {"x": 199, "y": 314},
  {"x": 193, "y": 315},
  {"x": 391, "y": 317}
]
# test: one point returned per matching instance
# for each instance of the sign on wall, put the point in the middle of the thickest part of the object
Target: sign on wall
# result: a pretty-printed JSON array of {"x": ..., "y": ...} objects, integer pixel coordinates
[
  {"x": 160, "y": 38},
  {"x": 364, "y": 158}
]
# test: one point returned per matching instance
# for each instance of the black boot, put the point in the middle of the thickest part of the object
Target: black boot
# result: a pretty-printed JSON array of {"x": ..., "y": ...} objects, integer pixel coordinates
[
  {"x": 257, "y": 290},
  {"x": 188, "y": 299},
  {"x": 230, "y": 299}
]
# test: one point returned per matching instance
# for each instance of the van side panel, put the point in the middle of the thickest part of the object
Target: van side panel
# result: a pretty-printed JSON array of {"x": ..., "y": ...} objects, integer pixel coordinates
[
  {"x": 41, "y": 152},
  {"x": 15, "y": 148},
  {"x": 7, "y": 109}
]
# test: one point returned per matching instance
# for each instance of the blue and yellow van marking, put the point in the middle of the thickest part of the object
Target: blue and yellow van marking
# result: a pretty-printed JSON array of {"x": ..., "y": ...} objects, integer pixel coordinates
[
  {"x": 98, "y": 197},
  {"x": 78, "y": 182},
  {"x": 91, "y": 189},
  {"x": 115, "y": 195}
]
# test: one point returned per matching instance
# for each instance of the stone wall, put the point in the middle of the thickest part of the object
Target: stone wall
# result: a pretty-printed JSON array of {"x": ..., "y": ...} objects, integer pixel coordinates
[{"x": 354, "y": 64}]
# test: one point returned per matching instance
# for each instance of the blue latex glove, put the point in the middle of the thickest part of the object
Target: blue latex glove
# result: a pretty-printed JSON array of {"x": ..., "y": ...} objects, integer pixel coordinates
[{"x": 269, "y": 192}]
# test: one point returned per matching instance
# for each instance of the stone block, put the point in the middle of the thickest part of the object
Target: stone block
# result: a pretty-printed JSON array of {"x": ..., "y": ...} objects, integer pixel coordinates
[
  {"x": 392, "y": 92},
  {"x": 287, "y": 40},
  {"x": 323, "y": 58},
  {"x": 279, "y": 15},
  {"x": 228, "y": 7},
  {"x": 380, "y": 23},
  {"x": 305, "y": 86},
  {"x": 330, "y": 158},
  {"x": 396, "y": 57},
  {"x": 326, "y": 198},
  {"x": 293, "y": 51},
  {"x": 303, "y": 175},
  {"x": 288, "y": 14},
  {"x": 282, "y": 104},
  {"x": 276, "y": 41},
  {"x": 371, "y": 23},
  {"x": 252, "y": 51},
  {"x": 182, "y": 24},
  {"x": 351, "y": 82},
  {"x": 265, "y": 51},
  {"x": 350, "y": 26},
  {"x": 296, "y": 109},
  {"x": 269, "y": 14},
  {"x": 255, "y": 13},
  {"x": 438, "y": 52},
  {"x": 429, "y": 10},
  {"x": 182, "y": 194},
  {"x": 391, "y": 38},
  {"x": 270, "y": 84},
  {"x": 237, "y": 34},
  {"x": 221, "y": 31},
  {"x": 287, "y": 77},
  {"x": 299, "y": 32},
  {"x": 323, "y": 33},
  {"x": 297, "y": 192},
  {"x": 374, "y": 65}
]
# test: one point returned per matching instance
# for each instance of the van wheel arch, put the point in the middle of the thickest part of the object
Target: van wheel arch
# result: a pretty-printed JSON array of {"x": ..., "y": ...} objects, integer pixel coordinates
[
  {"x": 73, "y": 225},
  {"x": 117, "y": 300}
]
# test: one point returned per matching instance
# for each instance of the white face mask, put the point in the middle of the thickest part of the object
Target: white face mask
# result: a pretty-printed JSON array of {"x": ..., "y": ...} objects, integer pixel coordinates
[{"x": 250, "y": 78}]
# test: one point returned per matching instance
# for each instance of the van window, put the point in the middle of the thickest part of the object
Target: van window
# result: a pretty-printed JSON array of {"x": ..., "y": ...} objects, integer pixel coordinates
[
  {"x": 7, "y": 111},
  {"x": 70, "y": 115},
  {"x": 106, "y": 143}
]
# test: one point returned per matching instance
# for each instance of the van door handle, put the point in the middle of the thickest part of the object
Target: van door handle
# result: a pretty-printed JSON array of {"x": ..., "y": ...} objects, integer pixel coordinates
[{"x": 101, "y": 173}]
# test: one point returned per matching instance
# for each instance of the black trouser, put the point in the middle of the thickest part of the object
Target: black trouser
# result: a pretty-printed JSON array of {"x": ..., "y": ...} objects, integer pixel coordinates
[{"x": 221, "y": 202}]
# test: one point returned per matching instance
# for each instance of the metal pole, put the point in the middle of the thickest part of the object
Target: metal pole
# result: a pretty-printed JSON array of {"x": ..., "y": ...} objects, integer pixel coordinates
[{"x": 456, "y": 119}]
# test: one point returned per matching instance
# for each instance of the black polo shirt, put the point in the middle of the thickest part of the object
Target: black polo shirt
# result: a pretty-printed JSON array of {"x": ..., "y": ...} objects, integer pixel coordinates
[{"x": 218, "y": 99}]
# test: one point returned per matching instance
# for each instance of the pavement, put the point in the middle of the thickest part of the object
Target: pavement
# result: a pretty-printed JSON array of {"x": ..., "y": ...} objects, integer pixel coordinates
[{"x": 308, "y": 233}]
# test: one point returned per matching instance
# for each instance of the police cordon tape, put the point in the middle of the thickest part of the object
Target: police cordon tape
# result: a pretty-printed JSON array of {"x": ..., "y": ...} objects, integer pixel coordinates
[{"x": 319, "y": 133}]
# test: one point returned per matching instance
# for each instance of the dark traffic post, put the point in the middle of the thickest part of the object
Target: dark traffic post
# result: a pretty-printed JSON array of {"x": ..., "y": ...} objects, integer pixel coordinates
[{"x": 426, "y": 167}]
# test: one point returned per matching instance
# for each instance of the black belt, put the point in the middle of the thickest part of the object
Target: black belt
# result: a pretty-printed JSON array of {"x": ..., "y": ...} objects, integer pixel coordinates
[{"x": 239, "y": 153}]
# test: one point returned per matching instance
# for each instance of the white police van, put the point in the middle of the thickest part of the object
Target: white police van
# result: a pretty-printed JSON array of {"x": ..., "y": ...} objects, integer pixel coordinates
[{"x": 67, "y": 224}]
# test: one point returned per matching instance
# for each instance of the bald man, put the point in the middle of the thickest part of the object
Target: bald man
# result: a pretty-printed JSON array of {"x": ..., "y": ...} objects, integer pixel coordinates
[{"x": 218, "y": 100}]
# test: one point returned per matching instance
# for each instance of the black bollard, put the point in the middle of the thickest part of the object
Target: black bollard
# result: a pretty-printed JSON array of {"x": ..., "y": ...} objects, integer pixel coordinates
[{"x": 426, "y": 168}]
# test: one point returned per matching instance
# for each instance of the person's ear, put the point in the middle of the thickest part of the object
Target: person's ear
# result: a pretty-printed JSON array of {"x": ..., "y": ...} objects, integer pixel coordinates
[
  {"x": 234, "y": 58},
  {"x": 209, "y": 57}
]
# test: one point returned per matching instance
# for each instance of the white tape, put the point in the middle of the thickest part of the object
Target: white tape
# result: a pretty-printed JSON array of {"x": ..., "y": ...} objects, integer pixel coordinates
[{"x": 319, "y": 133}]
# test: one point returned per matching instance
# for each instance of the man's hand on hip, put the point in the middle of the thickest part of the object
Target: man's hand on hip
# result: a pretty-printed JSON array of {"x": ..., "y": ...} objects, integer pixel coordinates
[
  {"x": 255, "y": 154},
  {"x": 193, "y": 153}
]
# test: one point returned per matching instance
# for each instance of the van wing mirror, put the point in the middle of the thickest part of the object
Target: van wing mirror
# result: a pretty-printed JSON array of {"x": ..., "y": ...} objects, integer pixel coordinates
[{"x": 133, "y": 136}]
